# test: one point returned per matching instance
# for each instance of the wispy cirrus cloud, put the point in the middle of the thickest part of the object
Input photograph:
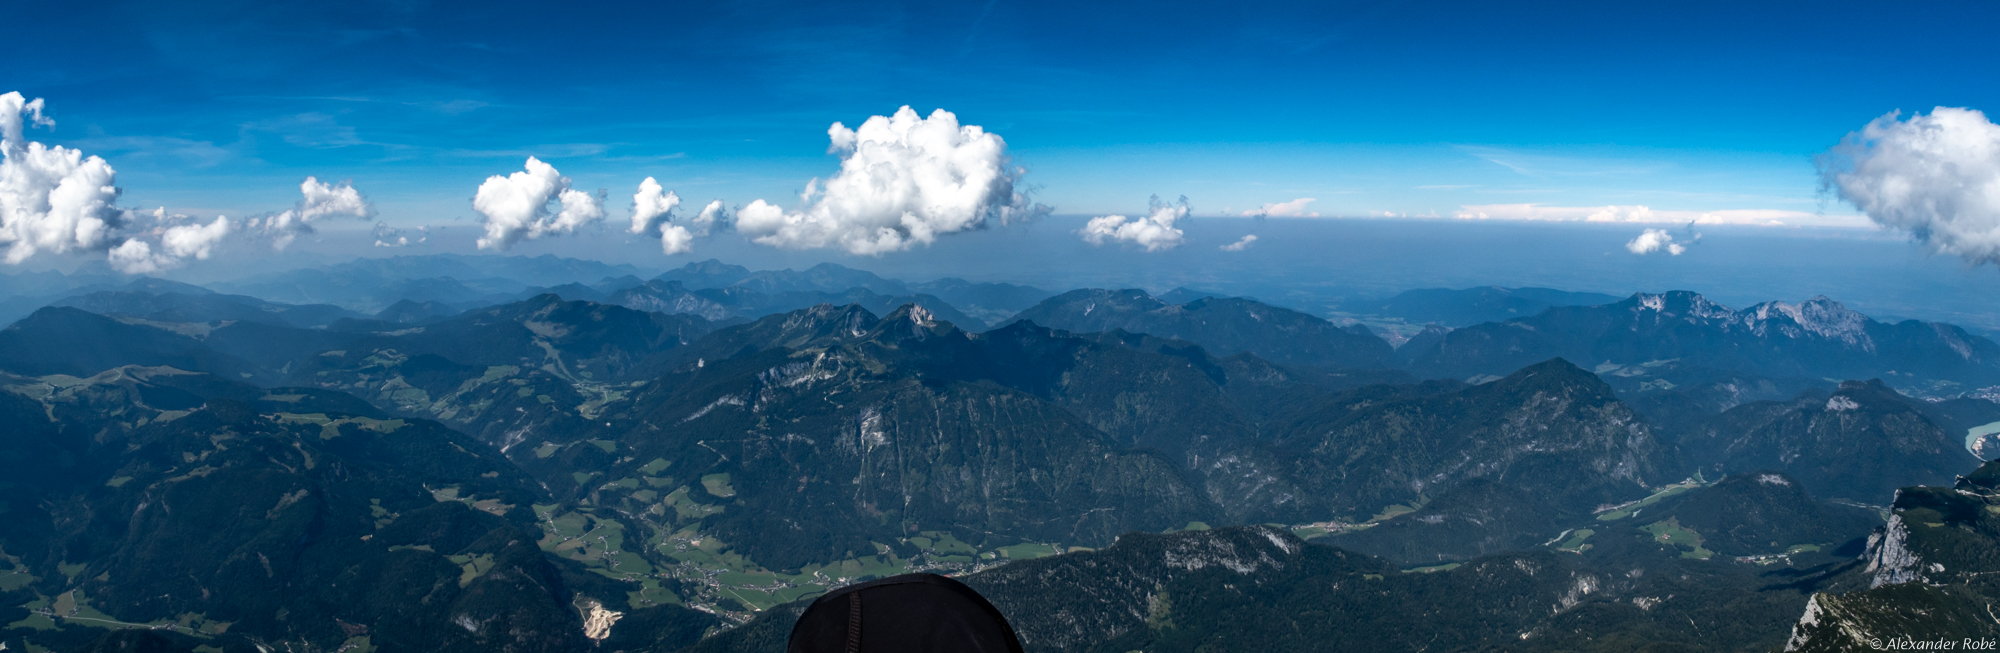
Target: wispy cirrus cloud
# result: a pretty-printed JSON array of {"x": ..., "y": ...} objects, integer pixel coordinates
[
  {"x": 1538, "y": 164},
  {"x": 310, "y": 130},
  {"x": 180, "y": 151}
]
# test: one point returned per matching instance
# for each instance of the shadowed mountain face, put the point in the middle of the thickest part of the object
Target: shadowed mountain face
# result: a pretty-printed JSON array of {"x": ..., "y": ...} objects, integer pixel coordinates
[
  {"x": 670, "y": 297},
  {"x": 1461, "y": 308},
  {"x": 1859, "y": 444},
  {"x": 62, "y": 340},
  {"x": 1550, "y": 429},
  {"x": 873, "y": 429},
  {"x": 1222, "y": 325},
  {"x": 571, "y": 340},
  {"x": 242, "y": 519},
  {"x": 1223, "y": 439},
  {"x": 825, "y": 277},
  {"x": 1766, "y": 515},
  {"x": 1683, "y": 331},
  {"x": 1260, "y": 589},
  {"x": 370, "y": 284},
  {"x": 1475, "y": 518},
  {"x": 1674, "y": 412},
  {"x": 369, "y": 290},
  {"x": 1498, "y": 467},
  {"x": 504, "y": 372},
  {"x": 715, "y": 290},
  {"x": 409, "y": 312},
  {"x": 992, "y": 303},
  {"x": 1762, "y": 513},
  {"x": 706, "y": 274},
  {"x": 580, "y": 340},
  {"x": 792, "y": 402},
  {"x": 204, "y": 307},
  {"x": 289, "y": 517}
]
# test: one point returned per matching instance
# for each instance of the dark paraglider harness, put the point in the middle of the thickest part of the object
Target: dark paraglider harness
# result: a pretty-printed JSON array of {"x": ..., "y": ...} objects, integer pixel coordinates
[{"x": 911, "y": 613}]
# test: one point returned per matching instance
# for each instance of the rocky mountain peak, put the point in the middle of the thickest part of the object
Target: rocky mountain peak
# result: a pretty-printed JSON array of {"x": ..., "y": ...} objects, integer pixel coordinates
[
  {"x": 848, "y": 321},
  {"x": 911, "y": 321},
  {"x": 1678, "y": 303},
  {"x": 1819, "y": 316}
]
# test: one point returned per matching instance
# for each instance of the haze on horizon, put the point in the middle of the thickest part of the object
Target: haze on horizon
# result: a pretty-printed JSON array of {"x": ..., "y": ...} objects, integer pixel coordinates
[{"x": 1373, "y": 147}]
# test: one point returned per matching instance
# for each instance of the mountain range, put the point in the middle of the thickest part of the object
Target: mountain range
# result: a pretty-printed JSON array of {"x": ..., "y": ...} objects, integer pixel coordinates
[
  {"x": 1466, "y": 307},
  {"x": 565, "y": 471},
  {"x": 1221, "y": 324},
  {"x": 1259, "y": 588},
  {"x": 1682, "y": 337}
]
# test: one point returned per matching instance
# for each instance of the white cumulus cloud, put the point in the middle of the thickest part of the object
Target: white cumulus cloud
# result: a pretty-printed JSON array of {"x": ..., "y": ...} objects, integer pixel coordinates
[
  {"x": 1154, "y": 232},
  {"x": 1293, "y": 209},
  {"x": 653, "y": 211},
  {"x": 675, "y": 239},
  {"x": 516, "y": 207},
  {"x": 176, "y": 244},
  {"x": 317, "y": 200},
  {"x": 1240, "y": 245},
  {"x": 1653, "y": 240},
  {"x": 713, "y": 218},
  {"x": 904, "y": 180},
  {"x": 52, "y": 199},
  {"x": 652, "y": 206},
  {"x": 1935, "y": 177}
]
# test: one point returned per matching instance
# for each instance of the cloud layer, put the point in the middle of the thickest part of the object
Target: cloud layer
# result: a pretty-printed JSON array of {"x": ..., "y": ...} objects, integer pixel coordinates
[
  {"x": 1935, "y": 177},
  {"x": 1643, "y": 215},
  {"x": 516, "y": 207},
  {"x": 1154, "y": 232},
  {"x": 1654, "y": 240},
  {"x": 1293, "y": 209},
  {"x": 904, "y": 180}
]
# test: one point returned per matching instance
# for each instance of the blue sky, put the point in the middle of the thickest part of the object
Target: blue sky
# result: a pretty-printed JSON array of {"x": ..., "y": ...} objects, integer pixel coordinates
[{"x": 1397, "y": 107}]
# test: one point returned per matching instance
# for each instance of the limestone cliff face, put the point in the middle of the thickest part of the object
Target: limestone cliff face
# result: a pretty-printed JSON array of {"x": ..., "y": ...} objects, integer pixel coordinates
[
  {"x": 1889, "y": 556},
  {"x": 1930, "y": 571}
]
